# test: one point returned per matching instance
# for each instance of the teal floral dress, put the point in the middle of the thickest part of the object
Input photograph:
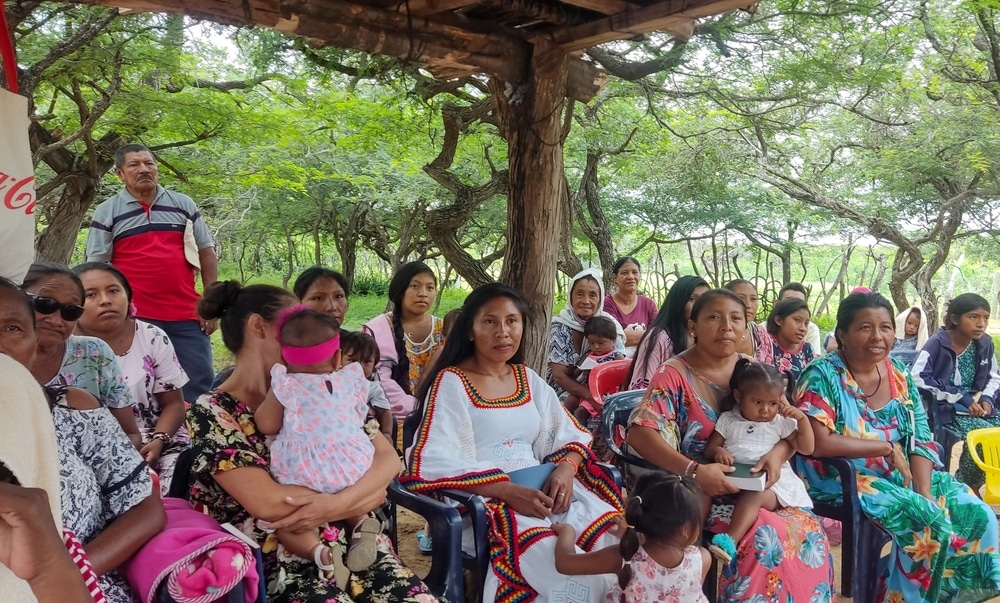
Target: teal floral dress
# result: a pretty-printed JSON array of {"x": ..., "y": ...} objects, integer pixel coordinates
[
  {"x": 939, "y": 546},
  {"x": 223, "y": 430},
  {"x": 968, "y": 471}
]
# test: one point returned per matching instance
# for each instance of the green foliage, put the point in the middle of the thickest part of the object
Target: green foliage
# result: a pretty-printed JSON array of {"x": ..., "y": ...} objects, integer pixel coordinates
[{"x": 370, "y": 284}]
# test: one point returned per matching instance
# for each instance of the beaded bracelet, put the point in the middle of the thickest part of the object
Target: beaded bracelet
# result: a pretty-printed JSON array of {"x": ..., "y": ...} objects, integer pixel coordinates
[
  {"x": 691, "y": 469},
  {"x": 566, "y": 459},
  {"x": 162, "y": 436}
]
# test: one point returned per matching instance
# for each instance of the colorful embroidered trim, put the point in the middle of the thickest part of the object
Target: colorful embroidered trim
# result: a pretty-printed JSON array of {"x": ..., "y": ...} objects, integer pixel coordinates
[
  {"x": 412, "y": 479},
  {"x": 591, "y": 475},
  {"x": 521, "y": 395},
  {"x": 505, "y": 555},
  {"x": 589, "y": 537}
]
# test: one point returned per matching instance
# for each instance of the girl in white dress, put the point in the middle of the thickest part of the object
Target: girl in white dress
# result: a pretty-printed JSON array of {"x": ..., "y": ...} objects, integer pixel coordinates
[
  {"x": 318, "y": 411},
  {"x": 667, "y": 566},
  {"x": 486, "y": 416},
  {"x": 760, "y": 418}
]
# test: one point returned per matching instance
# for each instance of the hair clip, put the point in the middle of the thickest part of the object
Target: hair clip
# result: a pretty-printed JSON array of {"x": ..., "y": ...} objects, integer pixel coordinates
[{"x": 638, "y": 499}]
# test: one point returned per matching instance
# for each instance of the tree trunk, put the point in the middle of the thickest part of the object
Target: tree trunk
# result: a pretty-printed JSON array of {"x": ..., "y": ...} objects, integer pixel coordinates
[
  {"x": 837, "y": 284},
  {"x": 58, "y": 240},
  {"x": 531, "y": 116}
]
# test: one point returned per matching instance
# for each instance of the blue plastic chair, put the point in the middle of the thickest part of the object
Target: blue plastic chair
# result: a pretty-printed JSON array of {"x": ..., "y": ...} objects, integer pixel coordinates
[
  {"x": 939, "y": 418},
  {"x": 614, "y": 419},
  {"x": 861, "y": 547}
]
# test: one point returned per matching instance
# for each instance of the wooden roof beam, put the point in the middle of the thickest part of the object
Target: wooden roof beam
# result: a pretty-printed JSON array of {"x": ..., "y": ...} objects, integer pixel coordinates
[
  {"x": 422, "y": 8},
  {"x": 605, "y": 7},
  {"x": 675, "y": 17}
]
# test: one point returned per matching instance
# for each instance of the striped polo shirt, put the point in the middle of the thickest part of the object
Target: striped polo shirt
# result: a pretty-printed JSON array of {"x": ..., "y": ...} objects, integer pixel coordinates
[{"x": 146, "y": 242}]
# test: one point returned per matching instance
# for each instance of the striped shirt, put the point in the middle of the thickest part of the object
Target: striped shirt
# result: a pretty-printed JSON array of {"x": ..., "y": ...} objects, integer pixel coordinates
[{"x": 146, "y": 242}]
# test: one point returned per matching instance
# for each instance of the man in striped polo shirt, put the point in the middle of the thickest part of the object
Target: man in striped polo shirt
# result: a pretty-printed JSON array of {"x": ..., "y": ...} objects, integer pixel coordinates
[{"x": 141, "y": 231}]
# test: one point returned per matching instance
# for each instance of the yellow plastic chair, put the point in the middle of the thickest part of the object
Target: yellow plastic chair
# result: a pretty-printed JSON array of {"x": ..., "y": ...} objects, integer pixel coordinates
[{"x": 989, "y": 462}]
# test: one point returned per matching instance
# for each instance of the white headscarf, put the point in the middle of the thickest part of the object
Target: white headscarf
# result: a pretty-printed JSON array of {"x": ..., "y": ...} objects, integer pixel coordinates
[
  {"x": 28, "y": 449},
  {"x": 921, "y": 330},
  {"x": 569, "y": 318}
]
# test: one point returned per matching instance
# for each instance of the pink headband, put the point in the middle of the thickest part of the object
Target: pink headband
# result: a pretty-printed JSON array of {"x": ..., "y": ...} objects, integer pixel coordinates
[{"x": 312, "y": 354}]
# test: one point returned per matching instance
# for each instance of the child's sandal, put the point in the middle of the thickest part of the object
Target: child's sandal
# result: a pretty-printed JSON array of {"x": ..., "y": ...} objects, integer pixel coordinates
[
  {"x": 336, "y": 570},
  {"x": 723, "y": 548},
  {"x": 364, "y": 544}
]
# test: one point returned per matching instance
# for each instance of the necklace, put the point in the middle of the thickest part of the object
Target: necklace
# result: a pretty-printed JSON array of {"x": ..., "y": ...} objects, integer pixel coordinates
[{"x": 877, "y": 387}]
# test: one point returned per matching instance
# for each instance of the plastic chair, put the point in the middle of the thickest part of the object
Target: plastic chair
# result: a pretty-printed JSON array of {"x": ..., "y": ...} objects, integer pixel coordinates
[
  {"x": 863, "y": 541},
  {"x": 939, "y": 419},
  {"x": 988, "y": 460},
  {"x": 608, "y": 378},
  {"x": 614, "y": 419}
]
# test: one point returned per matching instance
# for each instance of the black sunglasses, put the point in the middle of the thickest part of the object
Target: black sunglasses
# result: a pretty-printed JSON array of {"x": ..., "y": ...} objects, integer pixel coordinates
[{"x": 47, "y": 305}]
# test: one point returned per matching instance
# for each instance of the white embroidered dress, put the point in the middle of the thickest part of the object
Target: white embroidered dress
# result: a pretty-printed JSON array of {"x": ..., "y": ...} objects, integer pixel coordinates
[{"x": 467, "y": 440}]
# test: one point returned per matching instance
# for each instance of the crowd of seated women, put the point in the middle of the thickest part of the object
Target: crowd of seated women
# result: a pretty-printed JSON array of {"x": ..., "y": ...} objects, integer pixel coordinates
[{"x": 105, "y": 407}]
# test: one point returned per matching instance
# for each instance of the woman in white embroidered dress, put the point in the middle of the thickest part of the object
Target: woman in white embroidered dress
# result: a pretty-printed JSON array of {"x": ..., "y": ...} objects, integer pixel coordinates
[{"x": 486, "y": 415}]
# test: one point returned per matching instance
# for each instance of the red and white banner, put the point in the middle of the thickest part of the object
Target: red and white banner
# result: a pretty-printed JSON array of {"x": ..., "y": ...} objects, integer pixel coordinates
[{"x": 17, "y": 178}]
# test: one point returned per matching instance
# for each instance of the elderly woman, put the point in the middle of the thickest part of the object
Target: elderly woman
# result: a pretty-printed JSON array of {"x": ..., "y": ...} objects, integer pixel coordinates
[
  {"x": 323, "y": 290},
  {"x": 146, "y": 359},
  {"x": 668, "y": 334},
  {"x": 508, "y": 419},
  {"x": 106, "y": 496},
  {"x": 784, "y": 555},
  {"x": 566, "y": 341},
  {"x": 68, "y": 360},
  {"x": 407, "y": 336},
  {"x": 231, "y": 470},
  {"x": 633, "y": 311},
  {"x": 865, "y": 406}
]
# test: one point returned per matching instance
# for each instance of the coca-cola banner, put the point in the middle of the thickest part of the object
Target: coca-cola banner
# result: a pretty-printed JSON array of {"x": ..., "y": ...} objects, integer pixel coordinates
[{"x": 17, "y": 189}]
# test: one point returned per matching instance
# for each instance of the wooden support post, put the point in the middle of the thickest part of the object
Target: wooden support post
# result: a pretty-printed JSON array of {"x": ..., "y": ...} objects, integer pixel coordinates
[{"x": 531, "y": 114}]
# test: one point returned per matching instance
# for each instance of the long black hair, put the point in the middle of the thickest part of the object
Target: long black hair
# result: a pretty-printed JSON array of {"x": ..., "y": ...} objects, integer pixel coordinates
[
  {"x": 670, "y": 318},
  {"x": 660, "y": 506},
  {"x": 459, "y": 344},
  {"x": 397, "y": 289}
]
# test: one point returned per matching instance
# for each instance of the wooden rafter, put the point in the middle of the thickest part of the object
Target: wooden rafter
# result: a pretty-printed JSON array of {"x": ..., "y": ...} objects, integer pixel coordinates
[
  {"x": 672, "y": 16},
  {"x": 422, "y": 8},
  {"x": 605, "y": 7}
]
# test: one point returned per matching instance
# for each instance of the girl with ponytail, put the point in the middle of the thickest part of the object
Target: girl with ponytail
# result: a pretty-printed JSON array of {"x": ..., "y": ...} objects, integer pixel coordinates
[
  {"x": 666, "y": 565},
  {"x": 407, "y": 335}
]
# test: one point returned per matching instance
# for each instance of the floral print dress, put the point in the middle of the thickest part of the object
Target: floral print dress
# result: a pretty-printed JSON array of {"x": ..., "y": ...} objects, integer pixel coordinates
[
  {"x": 939, "y": 546},
  {"x": 150, "y": 367},
  {"x": 223, "y": 430},
  {"x": 653, "y": 582},
  {"x": 785, "y": 555},
  {"x": 101, "y": 476},
  {"x": 791, "y": 363},
  {"x": 89, "y": 364}
]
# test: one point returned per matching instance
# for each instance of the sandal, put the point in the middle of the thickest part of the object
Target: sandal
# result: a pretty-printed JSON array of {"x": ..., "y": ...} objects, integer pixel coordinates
[
  {"x": 723, "y": 548},
  {"x": 424, "y": 543},
  {"x": 336, "y": 570},
  {"x": 363, "y": 549}
]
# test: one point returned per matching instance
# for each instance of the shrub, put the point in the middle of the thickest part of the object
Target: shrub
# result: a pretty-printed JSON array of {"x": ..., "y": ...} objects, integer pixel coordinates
[{"x": 370, "y": 283}]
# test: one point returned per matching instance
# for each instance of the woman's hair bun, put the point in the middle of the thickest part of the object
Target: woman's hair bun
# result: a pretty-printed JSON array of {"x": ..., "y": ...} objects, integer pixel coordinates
[{"x": 219, "y": 297}]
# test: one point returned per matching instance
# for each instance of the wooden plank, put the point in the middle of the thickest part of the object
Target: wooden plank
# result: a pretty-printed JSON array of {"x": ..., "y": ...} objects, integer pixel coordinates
[
  {"x": 423, "y": 8},
  {"x": 672, "y": 16},
  {"x": 605, "y": 7}
]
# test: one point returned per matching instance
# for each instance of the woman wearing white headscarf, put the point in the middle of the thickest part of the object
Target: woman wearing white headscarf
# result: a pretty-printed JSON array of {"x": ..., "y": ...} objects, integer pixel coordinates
[{"x": 566, "y": 341}]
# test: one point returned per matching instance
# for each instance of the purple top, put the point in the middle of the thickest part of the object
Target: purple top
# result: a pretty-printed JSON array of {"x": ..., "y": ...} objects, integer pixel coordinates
[{"x": 644, "y": 312}]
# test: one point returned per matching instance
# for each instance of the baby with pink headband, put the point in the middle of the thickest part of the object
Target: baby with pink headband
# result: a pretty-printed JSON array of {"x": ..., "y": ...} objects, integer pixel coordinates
[{"x": 318, "y": 412}]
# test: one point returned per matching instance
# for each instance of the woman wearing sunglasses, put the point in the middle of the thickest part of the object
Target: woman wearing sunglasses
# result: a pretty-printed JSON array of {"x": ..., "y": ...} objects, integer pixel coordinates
[{"x": 67, "y": 360}]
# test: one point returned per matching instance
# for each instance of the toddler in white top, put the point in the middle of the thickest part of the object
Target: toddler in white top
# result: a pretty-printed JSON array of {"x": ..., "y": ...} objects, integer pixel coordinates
[
  {"x": 318, "y": 412},
  {"x": 760, "y": 417}
]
